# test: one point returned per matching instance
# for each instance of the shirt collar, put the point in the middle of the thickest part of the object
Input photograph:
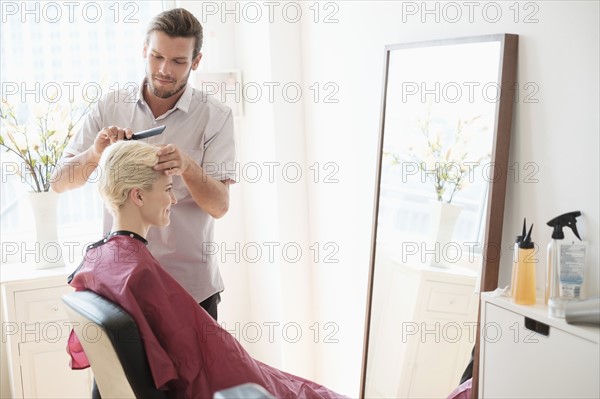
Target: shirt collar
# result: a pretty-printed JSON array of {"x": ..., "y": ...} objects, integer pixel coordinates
[
  {"x": 186, "y": 98},
  {"x": 183, "y": 103}
]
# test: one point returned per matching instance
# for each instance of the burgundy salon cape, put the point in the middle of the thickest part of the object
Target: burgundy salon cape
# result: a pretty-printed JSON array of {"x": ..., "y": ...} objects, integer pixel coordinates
[{"x": 188, "y": 352}]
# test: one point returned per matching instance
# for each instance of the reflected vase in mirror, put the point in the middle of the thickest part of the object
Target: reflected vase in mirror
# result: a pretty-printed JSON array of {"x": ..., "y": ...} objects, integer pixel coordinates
[
  {"x": 443, "y": 218},
  {"x": 439, "y": 204}
]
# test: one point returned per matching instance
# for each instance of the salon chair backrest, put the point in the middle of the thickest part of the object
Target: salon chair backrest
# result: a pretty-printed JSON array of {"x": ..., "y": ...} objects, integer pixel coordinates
[{"x": 111, "y": 341}]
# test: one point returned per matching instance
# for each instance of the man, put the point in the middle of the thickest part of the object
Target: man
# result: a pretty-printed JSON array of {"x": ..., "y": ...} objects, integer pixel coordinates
[{"x": 198, "y": 151}]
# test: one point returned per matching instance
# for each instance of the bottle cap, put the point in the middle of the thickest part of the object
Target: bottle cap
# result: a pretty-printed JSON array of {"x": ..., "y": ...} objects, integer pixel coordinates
[
  {"x": 520, "y": 238},
  {"x": 527, "y": 243}
]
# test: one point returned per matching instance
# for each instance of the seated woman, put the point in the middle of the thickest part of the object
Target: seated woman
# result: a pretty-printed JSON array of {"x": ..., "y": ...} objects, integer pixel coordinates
[{"x": 189, "y": 354}]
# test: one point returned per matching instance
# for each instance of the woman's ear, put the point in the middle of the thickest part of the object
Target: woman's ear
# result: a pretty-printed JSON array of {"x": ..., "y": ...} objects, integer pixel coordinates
[{"x": 136, "y": 196}]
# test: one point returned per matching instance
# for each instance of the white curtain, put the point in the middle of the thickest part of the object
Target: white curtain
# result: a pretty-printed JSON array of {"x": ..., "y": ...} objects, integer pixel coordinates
[{"x": 294, "y": 245}]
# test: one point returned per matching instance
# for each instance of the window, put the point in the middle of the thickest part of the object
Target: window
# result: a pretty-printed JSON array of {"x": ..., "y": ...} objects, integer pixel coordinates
[{"x": 65, "y": 51}]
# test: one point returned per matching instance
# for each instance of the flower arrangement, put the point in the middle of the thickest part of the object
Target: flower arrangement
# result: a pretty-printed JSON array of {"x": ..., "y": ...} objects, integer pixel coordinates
[
  {"x": 443, "y": 157},
  {"x": 39, "y": 152}
]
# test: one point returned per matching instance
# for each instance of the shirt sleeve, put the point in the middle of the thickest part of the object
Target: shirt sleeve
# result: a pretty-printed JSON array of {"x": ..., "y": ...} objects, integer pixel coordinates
[{"x": 219, "y": 159}]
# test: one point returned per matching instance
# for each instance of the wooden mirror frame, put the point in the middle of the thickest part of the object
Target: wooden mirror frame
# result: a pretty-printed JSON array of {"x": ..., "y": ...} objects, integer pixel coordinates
[{"x": 497, "y": 184}]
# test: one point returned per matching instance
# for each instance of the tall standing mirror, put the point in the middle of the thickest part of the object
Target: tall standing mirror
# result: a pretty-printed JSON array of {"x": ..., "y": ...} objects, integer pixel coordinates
[{"x": 441, "y": 179}]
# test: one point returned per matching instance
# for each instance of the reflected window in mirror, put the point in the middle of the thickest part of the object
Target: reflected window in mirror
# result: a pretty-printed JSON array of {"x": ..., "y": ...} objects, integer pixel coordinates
[{"x": 439, "y": 128}]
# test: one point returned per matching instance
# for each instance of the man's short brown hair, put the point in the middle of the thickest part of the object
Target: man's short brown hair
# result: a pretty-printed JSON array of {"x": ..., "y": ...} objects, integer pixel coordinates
[{"x": 177, "y": 22}]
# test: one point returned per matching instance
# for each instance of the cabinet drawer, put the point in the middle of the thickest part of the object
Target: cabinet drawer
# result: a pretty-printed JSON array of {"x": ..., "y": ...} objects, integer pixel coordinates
[
  {"x": 42, "y": 305},
  {"x": 519, "y": 363},
  {"x": 46, "y": 373},
  {"x": 450, "y": 298}
]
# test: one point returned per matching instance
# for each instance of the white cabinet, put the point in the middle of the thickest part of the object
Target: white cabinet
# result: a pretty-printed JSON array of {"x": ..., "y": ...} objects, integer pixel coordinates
[
  {"x": 35, "y": 333},
  {"x": 423, "y": 330},
  {"x": 526, "y": 354}
]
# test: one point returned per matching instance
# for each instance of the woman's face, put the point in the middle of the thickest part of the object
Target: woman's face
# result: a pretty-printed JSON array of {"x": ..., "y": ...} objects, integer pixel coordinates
[{"x": 157, "y": 202}]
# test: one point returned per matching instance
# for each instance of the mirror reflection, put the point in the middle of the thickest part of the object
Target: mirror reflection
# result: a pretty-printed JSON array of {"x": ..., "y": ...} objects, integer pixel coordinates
[{"x": 438, "y": 127}]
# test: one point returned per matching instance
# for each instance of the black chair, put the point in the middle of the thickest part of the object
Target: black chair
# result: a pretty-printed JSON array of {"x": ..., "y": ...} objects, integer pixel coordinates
[{"x": 111, "y": 341}]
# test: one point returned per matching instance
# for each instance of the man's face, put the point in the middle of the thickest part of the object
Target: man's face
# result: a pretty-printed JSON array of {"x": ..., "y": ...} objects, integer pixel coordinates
[{"x": 169, "y": 63}]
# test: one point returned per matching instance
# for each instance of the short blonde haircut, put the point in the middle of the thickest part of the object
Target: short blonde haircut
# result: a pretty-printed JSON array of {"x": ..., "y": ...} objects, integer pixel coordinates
[{"x": 125, "y": 165}]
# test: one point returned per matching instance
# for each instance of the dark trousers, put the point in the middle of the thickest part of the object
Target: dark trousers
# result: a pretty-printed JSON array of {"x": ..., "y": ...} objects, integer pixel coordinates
[
  {"x": 468, "y": 373},
  {"x": 209, "y": 304}
]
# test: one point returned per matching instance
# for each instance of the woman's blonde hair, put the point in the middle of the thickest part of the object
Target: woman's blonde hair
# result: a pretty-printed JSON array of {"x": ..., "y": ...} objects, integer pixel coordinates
[{"x": 125, "y": 165}]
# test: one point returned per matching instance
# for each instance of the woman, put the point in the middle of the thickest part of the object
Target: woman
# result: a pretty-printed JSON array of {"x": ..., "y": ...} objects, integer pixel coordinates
[{"x": 189, "y": 354}]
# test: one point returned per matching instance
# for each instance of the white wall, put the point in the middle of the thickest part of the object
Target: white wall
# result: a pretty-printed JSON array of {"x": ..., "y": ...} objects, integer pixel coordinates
[{"x": 557, "y": 134}]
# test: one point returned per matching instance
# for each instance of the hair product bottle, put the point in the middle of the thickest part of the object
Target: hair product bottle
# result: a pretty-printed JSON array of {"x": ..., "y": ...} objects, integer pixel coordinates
[{"x": 524, "y": 292}]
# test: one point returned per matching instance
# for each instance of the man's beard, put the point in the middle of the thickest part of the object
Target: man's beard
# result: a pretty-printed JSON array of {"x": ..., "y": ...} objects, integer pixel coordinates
[{"x": 167, "y": 93}]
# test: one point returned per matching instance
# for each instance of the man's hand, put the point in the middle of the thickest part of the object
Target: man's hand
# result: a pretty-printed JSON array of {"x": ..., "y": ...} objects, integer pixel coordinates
[
  {"x": 172, "y": 160},
  {"x": 107, "y": 136}
]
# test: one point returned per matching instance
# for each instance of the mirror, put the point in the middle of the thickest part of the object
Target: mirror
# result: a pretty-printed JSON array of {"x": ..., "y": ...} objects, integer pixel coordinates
[{"x": 439, "y": 205}]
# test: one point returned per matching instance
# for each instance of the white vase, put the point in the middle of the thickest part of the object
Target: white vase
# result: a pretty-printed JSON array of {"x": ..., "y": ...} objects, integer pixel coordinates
[
  {"x": 443, "y": 219},
  {"x": 48, "y": 251}
]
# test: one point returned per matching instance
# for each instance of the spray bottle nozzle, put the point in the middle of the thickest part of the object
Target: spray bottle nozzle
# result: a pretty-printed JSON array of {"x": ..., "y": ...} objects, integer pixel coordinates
[{"x": 568, "y": 220}]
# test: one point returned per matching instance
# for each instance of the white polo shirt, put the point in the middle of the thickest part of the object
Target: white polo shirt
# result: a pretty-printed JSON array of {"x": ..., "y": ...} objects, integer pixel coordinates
[{"x": 203, "y": 128}]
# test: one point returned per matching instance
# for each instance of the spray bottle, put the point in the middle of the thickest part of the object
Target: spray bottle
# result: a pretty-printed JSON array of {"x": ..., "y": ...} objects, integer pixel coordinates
[
  {"x": 566, "y": 264},
  {"x": 524, "y": 291}
]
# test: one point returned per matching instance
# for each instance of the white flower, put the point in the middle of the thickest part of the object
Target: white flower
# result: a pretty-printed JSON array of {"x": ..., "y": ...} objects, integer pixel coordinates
[
  {"x": 40, "y": 143},
  {"x": 443, "y": 153}
]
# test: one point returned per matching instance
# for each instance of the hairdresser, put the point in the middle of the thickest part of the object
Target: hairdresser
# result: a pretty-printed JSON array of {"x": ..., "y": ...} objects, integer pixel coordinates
[{"x": 198, "y": 151}]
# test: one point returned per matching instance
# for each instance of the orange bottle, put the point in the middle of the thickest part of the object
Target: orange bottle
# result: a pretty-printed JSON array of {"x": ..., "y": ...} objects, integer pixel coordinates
[{"x": 524, "y": 281}]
